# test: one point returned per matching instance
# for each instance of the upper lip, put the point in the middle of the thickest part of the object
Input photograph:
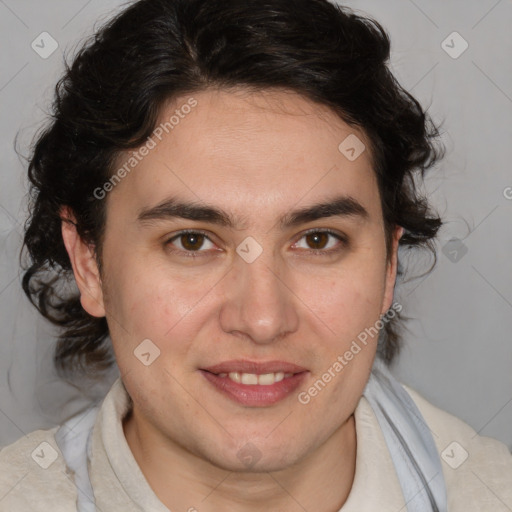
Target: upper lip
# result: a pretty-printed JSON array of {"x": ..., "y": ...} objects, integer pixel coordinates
[{"x": 258, "y": 368}]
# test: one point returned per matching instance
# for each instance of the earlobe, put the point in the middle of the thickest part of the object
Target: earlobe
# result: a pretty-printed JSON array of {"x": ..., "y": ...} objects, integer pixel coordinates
[{"x": 83, "y": 262}]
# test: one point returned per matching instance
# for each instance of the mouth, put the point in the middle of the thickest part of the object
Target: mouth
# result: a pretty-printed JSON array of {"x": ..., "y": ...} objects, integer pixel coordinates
[
  {"x": 255, "y": 384},
  {"x": 253, "y": 379}
]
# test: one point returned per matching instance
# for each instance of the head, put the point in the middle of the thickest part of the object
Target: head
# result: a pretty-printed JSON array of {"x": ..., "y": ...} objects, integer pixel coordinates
[{"x": 228, "y": 180}]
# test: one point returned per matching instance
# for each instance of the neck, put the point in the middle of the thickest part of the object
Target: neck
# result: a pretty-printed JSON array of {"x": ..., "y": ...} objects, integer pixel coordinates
[{"x": 183, "y": 481}]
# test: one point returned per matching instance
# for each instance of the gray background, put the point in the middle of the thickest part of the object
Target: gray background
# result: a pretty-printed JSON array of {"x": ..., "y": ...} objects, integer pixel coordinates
[{"x": 458, "y": 350}]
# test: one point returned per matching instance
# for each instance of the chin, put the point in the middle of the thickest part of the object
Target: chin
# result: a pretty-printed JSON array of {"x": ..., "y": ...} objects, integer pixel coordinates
[
  {"x": 263, "y": 465},
  {"x": 252, "y": 457}
]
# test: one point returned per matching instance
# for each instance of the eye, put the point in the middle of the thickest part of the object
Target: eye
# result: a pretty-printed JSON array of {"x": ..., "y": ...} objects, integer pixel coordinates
[
  {"x": 321, "y": 241},
  {"x": 191, "y": 241}
]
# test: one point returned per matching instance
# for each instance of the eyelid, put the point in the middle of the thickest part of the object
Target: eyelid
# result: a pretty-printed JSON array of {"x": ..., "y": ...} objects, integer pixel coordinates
[{"x": 323, "y": 230}]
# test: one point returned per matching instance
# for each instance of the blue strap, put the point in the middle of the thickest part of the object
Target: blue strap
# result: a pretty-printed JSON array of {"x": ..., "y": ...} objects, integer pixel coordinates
[
  {"x": 74, "y": 441},
  {"x": 409, "y": 442}
]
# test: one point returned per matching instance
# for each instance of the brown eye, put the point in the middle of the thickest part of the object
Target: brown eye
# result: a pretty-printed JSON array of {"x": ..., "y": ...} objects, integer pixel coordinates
[
  {"x": 317, "y": 240},
  {"x": 192, "y": 241},
  {"x": 322, "y": 242}
]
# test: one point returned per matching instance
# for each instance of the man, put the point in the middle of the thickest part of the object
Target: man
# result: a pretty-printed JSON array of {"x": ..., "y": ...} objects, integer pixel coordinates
[{"x": 227, "y": 183}]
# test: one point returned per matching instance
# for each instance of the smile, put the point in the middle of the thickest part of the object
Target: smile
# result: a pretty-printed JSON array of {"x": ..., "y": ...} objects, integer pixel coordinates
[
  {"x": 252, "y": 379},
  {"x": 255, "y": 383}
]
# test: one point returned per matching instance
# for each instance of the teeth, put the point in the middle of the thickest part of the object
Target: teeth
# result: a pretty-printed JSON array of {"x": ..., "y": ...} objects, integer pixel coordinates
[
  {"x": 269, "y": 378},
  {"x": 235, "y": 376},
  {"x": 250, "y": 379}
]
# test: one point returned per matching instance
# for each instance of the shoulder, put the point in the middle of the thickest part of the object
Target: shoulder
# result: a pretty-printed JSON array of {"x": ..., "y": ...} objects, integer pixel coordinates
[
  {"x": 477, "y": 469},
  {"x": 34, "y": 476}
]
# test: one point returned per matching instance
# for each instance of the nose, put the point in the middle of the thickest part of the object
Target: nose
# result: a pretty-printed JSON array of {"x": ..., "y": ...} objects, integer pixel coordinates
[{"x": 259, "y": 304}]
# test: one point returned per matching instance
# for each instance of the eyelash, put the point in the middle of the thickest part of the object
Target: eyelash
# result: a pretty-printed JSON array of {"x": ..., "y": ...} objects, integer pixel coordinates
[{"x": 317, "y": 252}]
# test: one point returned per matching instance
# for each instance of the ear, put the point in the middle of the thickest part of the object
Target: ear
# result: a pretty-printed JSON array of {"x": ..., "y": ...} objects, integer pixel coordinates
[
  {"x": 83, "y": 261},
  {"x": 392, "y": 269}
]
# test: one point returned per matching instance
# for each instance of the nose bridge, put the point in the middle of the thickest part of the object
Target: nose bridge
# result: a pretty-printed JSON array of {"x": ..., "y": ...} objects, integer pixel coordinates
[{"x": 258, "y": 303}]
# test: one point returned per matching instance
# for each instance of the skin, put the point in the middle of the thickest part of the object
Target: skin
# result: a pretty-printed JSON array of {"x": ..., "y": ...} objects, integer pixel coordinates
[{"x": 257, "y": 156}]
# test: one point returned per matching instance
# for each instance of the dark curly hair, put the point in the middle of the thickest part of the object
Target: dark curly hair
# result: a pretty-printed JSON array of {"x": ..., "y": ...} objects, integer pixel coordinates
[{"x": 110, "y": 96}]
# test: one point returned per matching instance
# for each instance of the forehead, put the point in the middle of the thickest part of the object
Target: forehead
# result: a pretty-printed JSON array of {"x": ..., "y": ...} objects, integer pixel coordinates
[{"x": 246, "y": 150}]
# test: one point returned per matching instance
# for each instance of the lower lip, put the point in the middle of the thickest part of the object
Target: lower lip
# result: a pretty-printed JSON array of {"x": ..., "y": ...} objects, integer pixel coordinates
[{"x": 255, "y": 395}]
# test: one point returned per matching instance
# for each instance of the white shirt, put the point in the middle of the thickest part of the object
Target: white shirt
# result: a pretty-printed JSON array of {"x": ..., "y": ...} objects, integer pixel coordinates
[{"x": 477, "y": 470}]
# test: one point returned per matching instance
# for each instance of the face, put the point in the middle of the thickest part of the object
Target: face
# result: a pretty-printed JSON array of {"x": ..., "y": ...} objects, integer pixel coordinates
[{"x": 243, "y": 242}]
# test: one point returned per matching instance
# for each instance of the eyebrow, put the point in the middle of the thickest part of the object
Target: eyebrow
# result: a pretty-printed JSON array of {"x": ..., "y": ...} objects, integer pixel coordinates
[
  {"x": 173, "y": 208},
  {"x": 341, "y": 206}
]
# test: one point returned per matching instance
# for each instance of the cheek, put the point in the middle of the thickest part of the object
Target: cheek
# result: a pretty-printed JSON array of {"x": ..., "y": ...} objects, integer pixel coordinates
[
  {"x": 147, "y": 301},
  {"x": 347, "y": 301},
  {"x": 150, "y": 296},
  {"x": 137, "y": 303}
]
